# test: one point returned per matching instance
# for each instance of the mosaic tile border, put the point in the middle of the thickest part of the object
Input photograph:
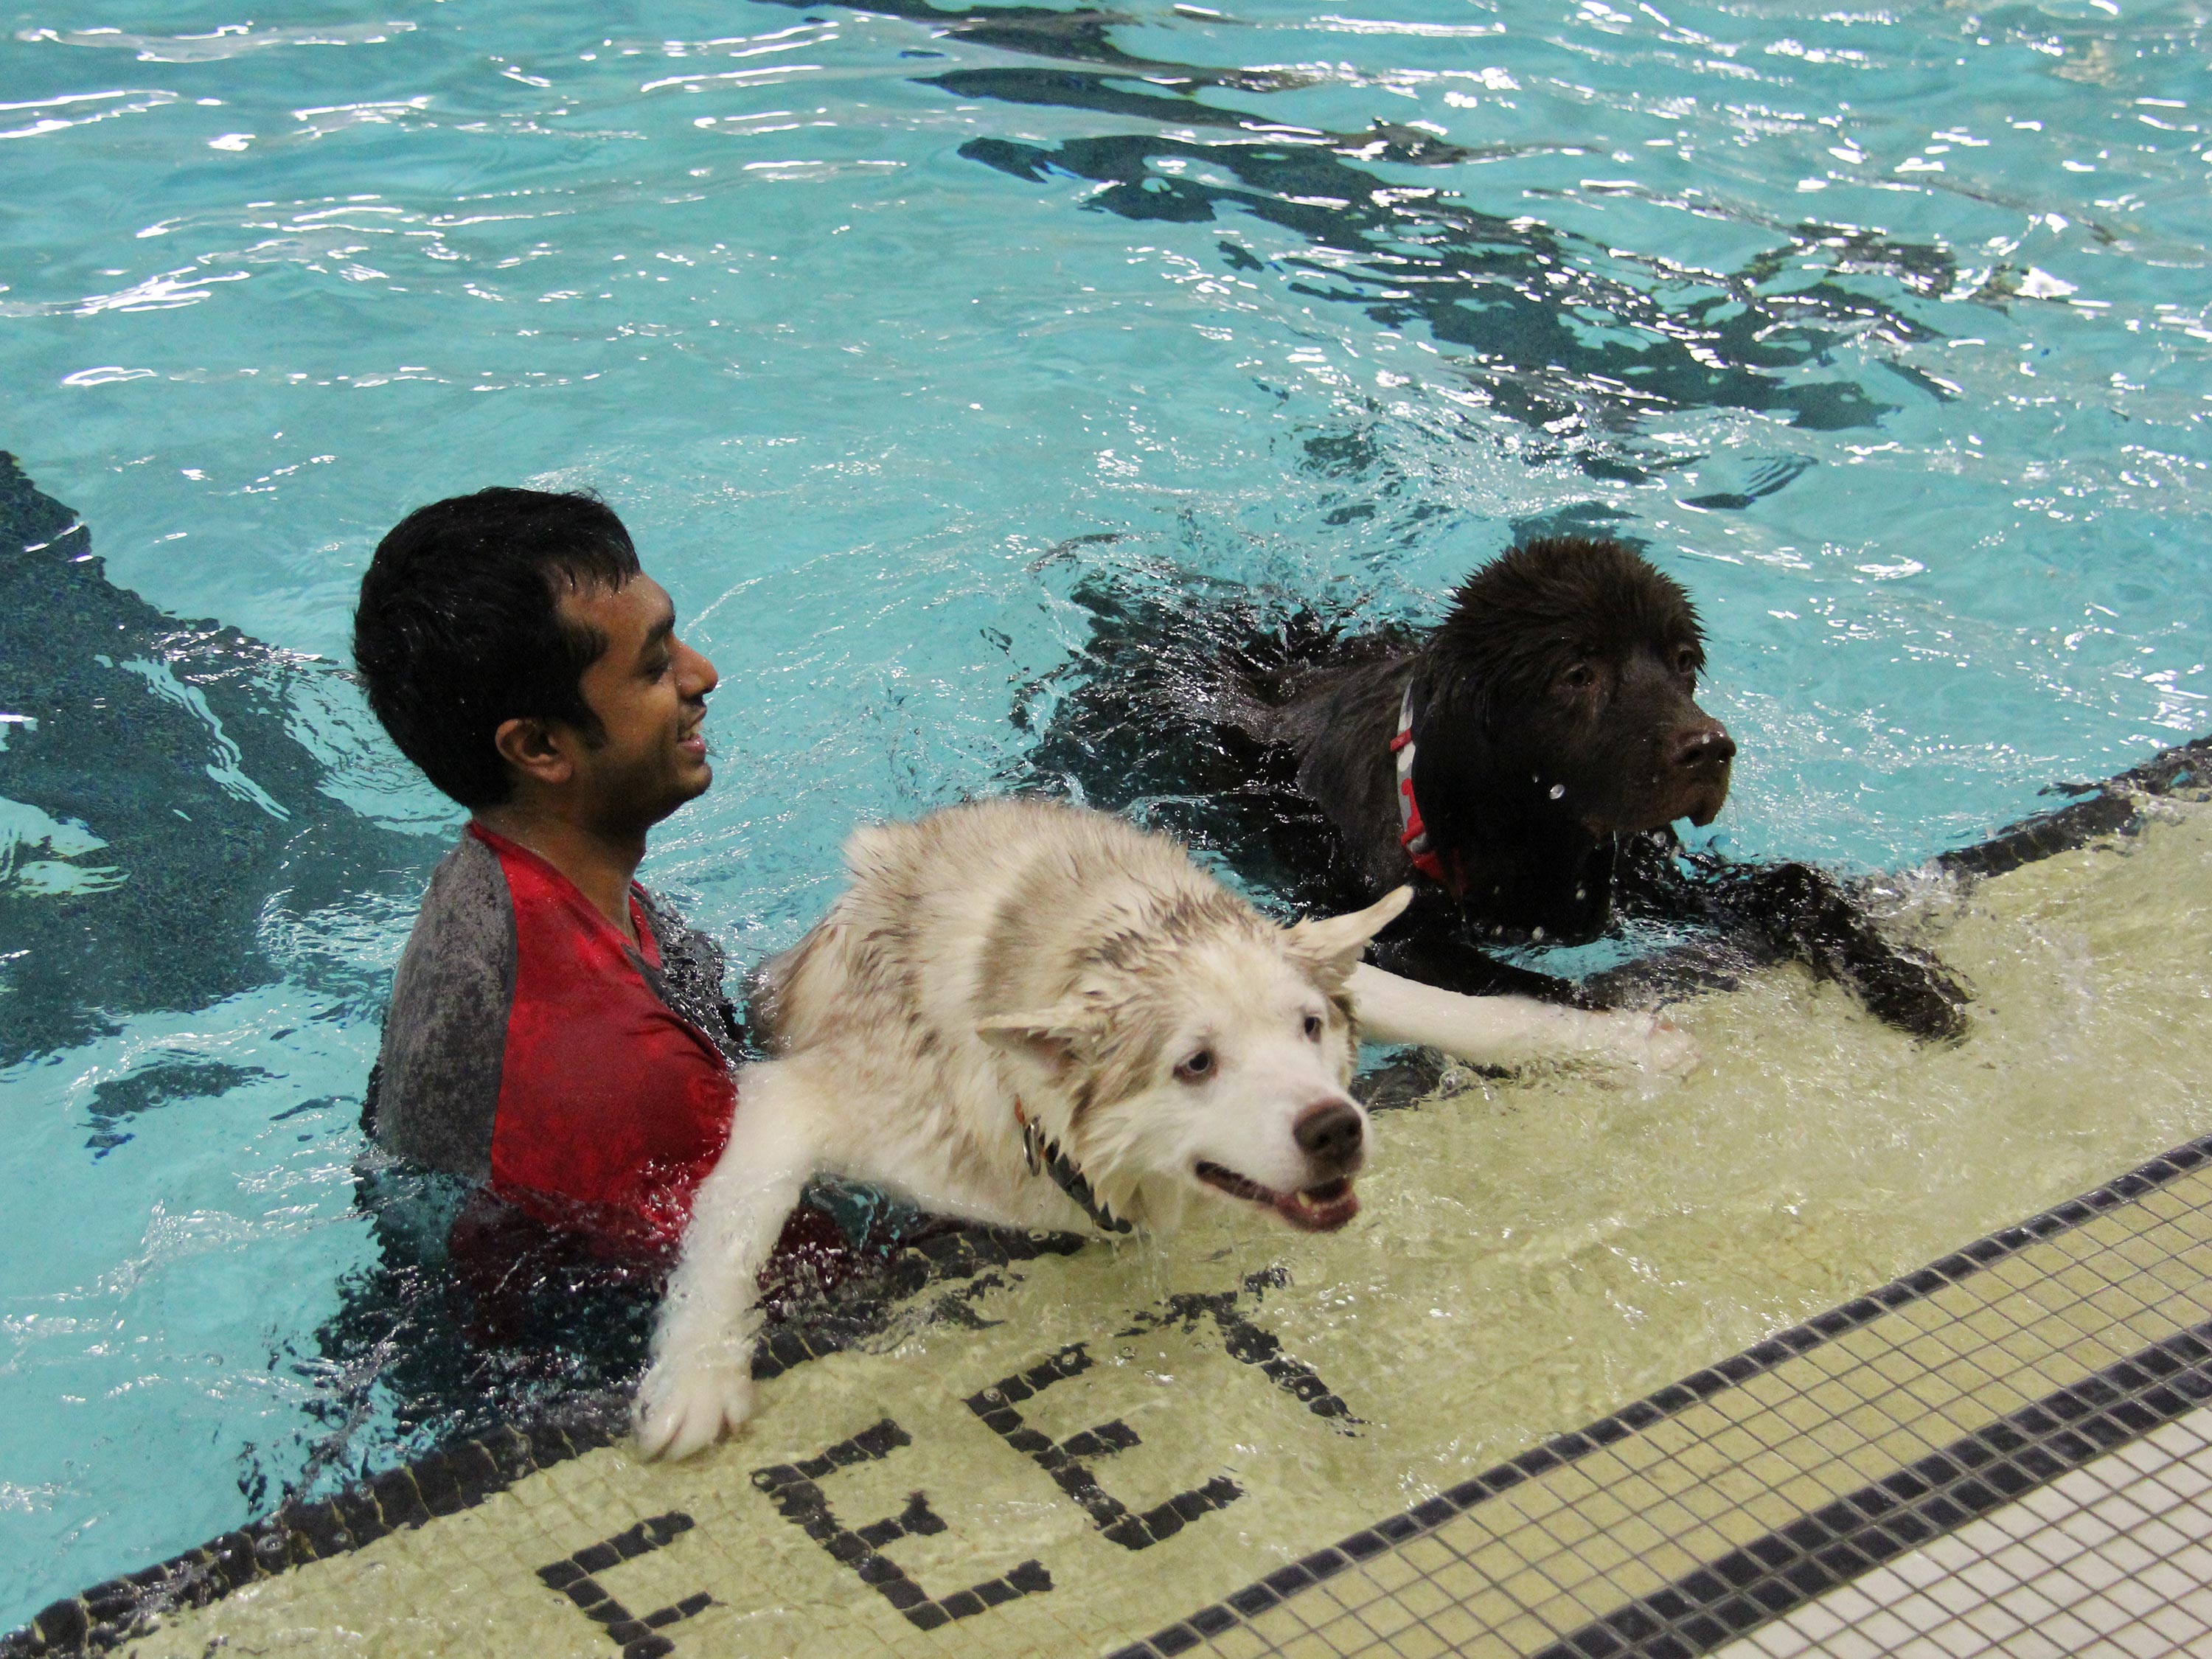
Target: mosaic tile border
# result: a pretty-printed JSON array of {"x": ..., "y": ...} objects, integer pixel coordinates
[
  {"x": 2110, "y": 1559},
  {"x": 1972, "y": 1476},
  {"x": 464, "y": 1472},
  {"x": 792, "y": 1488},
  {"x": 1370, "y": 1542},
  {"x": 2112, "y": 807},
  {"x": 456, "y": 1477},
  {"x": 572, "y": 1576}
]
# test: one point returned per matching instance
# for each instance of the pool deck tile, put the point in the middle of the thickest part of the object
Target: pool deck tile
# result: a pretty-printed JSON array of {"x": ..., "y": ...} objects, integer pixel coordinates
[{"x": 2061, "y": 1363}]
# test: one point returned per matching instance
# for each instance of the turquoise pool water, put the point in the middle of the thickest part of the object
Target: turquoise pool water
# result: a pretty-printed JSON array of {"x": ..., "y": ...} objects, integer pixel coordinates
[{"x": 1886, "y": 328}]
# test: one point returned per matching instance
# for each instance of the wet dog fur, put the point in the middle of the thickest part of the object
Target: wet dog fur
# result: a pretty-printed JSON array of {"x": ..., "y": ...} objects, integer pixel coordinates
[
  {"x": 1022, "y": 961},
  {"x": 1557, "y": 737},
  {"x": 1553, "y": 712}
]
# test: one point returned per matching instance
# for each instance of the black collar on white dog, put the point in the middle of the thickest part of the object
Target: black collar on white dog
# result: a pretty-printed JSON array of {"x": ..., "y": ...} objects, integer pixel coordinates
[{"x": 1046, "y": 1158}]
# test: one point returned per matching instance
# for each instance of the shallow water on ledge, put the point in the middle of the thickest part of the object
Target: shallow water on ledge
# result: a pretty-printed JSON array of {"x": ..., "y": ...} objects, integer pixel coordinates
[
  {"x": 1534, "y": 1255},
  {"x": 1886, "y": 329}
]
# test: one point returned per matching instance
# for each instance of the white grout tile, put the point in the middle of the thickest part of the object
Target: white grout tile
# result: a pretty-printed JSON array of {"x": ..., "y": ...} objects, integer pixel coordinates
[
  {"x": 2152, "y": 1494},
  {"x": 2140, "y": 1457},
  {"x": 2119, "y": 1511},
  {"x": 2007, "y": 1525},
  {"x": 2034, "y": 1643},
  {"x": 2182, "y": 1438},
  {"x": 2069, "y": 1631},
  {"x": 1920, "y": 1611},
  {"x": 2199, "y": 1601},
  {"x": 2186, "y": 1437},
  {"x": 2060, "y": 1588},
  {"x": 1849, "y": 1644},
  {"x": 2054, "y": 1548},
  {"x": 1916, "y": 1568},
  {"x": 1817, "y": 1619},
  {"x": 2048, "y": 1502},
  {"x": 2137, "y": 1607},
  {"x": 2168, "y": 1581},
  {"x": 2159, "y": 1536},
  {"x": 2027, "y": 1604},
  {"x": 1995, "y": 1620},
  {"x": 1885, "y": 1584},
  {"x": 1961, "y": 1641},
  {"x": 1988, "y": 1578},
  {"x": 2095, "y": 1569},
  {"x": 2177, "y": 1625},
  {"x": 2019, "y": 1562},
  {"x": 1850, "y": 1604},
  {"x": 2092, "y": 1481},
  {"x": 2125, "y": 1553},
  {"x": 2101, "y": 1613},
  {"x": 1781, "y": 1640},
  {"x": 1984, "y": 1536},
  {"x": 1954, "y": 1595},
  {"x": 2087, "y": 1529},
  {"x": 1952, "y": 1552},
  {"x": 2182, "y": 1484},
  {"x": 1885, "y": 1629}
]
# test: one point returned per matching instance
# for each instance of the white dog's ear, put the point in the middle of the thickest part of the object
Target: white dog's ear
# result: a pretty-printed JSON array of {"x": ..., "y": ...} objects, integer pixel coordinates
[
  {"x": 1044, "y": 1033},
  {"x": 1332, "y": 945}
]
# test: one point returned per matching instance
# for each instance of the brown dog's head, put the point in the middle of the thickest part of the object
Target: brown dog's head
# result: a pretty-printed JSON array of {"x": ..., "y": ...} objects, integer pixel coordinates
[{"x": 1571, "y": 664}]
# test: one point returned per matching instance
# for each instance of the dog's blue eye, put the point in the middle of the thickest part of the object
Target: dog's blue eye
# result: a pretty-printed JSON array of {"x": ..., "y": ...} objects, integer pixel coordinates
[{"x": 1198, "y": 1066}]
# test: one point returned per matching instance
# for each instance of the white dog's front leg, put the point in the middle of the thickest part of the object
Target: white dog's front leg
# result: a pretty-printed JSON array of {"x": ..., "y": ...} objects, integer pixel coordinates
[
  {"x": 1508, "y": 1030},
  {"x": 701, "y": 1381}
]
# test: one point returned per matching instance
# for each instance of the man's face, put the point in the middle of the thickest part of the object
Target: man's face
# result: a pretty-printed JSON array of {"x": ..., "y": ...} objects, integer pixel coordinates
[{"x": 649, "y": 690}]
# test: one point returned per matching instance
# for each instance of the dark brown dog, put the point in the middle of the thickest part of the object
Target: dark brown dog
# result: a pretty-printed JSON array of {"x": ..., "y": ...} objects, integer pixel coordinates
[
  {"x": 1520, "y": 762},
  {"x": 1552, "y": 712}
]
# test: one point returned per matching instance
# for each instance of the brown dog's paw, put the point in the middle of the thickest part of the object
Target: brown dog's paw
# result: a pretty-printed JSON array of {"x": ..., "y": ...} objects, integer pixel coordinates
[{"x": 1913, "y": 992}]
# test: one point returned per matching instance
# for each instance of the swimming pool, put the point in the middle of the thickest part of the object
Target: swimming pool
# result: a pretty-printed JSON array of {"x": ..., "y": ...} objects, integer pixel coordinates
[{"x": 1884, "y": 328}]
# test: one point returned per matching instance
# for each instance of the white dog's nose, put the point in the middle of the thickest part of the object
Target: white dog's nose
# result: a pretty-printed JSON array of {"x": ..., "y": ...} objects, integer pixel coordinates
[{"x": 1333, "y": 1135}]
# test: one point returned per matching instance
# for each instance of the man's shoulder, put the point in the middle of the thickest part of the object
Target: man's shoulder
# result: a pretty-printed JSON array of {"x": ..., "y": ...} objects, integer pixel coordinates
[
  {"x": 467, "y": 881},
  {"x": 446, "y": 1031}
]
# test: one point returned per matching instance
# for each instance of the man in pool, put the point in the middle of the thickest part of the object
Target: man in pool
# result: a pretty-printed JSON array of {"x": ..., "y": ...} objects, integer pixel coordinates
[{"x": 555, "y": 1033}]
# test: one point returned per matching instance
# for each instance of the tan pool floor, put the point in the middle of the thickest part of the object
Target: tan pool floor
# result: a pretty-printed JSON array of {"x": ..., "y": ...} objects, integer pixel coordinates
[{"x": 1455, "y": 1427}]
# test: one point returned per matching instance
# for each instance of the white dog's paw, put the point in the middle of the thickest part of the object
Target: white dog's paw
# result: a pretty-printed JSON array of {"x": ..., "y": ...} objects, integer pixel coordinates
[
  {"x": 1654, "y": 1046},
  {"x": 1673, "y": 1051},
  {"x": 1668, "y": 1050},
  {"x": 683, "y": 1409}
]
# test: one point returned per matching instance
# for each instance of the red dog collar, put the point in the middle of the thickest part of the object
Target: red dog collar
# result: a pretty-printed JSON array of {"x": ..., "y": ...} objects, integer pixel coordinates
[{"x": 1413, "y": 835}]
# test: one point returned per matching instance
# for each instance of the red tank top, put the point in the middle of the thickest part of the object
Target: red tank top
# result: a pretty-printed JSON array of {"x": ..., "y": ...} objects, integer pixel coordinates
[{"x": 612, "y": 1106}]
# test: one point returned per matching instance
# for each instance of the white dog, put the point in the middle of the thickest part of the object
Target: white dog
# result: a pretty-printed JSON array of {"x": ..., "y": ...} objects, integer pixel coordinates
[{"x": 1030, "y": 1014}]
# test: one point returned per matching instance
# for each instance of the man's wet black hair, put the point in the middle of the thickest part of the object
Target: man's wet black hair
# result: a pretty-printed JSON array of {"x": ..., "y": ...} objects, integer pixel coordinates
[{"x": 459, "y": 630}]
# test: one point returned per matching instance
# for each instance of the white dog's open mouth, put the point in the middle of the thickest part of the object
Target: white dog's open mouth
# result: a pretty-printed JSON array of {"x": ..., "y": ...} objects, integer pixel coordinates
[{"x": 1319, "y": 1209}]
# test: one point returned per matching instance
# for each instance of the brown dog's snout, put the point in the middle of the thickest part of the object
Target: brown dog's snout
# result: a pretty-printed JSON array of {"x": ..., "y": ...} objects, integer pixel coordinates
[
  {"x": 1704, "y": 747},
  {"x": 1332, "y": 1135}
]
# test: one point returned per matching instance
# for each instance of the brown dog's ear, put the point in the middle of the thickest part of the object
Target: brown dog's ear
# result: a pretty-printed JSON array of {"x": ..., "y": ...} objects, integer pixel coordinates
[
  {"x": 1045, "y": 1034},
  {"x": 1331, "y": 947}
]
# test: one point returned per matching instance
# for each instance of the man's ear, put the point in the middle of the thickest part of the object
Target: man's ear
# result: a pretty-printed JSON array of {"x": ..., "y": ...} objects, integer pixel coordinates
[
  {"x": 1045, "y": 1034},
  {"x": 1332, "y": 946},
  {"x": 530, "y": 747}
]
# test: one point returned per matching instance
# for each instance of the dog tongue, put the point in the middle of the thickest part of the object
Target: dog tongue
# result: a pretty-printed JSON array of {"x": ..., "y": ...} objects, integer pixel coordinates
[{"x": 1319, "y": 1209}]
